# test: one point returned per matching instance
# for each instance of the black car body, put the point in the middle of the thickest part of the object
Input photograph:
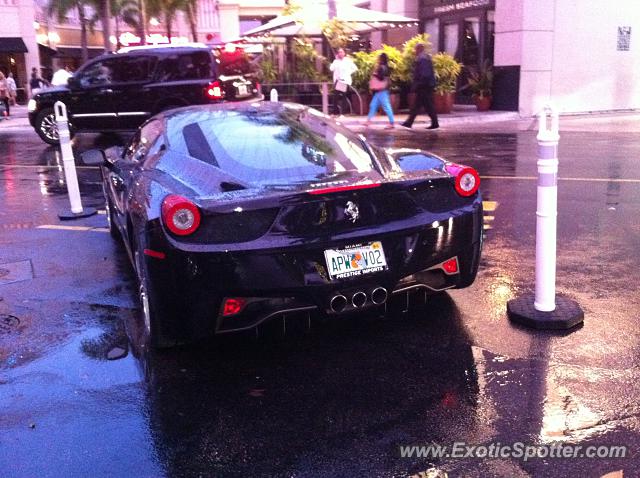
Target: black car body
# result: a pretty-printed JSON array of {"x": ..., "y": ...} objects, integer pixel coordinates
[
  {"x": 236, "y": 213},
  {"x": 120, "y": 91}
]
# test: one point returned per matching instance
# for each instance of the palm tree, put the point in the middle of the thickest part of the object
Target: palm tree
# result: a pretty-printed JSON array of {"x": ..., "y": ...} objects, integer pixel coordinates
[
  {"x": 60, "y": 8},
  {"x": 190, "y": 7},
  {"x": 104, "y": 11},
  {"x": 129, "y": 12}
]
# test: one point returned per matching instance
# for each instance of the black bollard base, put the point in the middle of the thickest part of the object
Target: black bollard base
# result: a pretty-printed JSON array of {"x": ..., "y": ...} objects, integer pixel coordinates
[
  {"x": 67, "y": 215},
  {"x": 567, "y": 314}
]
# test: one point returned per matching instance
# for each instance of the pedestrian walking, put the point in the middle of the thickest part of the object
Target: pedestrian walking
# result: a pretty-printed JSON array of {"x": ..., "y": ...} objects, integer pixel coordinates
[
  {"x": 35, "y": 83},
  {"x": 423, "y": 83},
  {"x": 342, "y": 67},
  {"x": 13, "y": 89},
  {"x": 4, "y": 95},
  {"x": 379, "y": 85}
]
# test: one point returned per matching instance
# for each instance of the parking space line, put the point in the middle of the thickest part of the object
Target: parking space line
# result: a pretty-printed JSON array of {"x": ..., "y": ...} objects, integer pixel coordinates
[
  {"x": 60, "y": 227},
  {"x": 489, "y": 206}
]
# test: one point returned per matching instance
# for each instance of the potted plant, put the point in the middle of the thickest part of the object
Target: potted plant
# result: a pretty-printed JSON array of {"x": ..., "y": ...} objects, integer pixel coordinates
[
  {"x": 447, "y": 70},
  {"x": 480, "y": 82}
]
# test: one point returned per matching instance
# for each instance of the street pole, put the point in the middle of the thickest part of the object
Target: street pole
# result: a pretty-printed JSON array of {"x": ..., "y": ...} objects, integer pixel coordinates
[
  {"x": 69, "y": 165},
  {"x": 545, "y": 310}
]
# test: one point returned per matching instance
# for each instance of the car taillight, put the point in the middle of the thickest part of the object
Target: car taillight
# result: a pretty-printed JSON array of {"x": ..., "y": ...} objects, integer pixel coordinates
[
  {"x": 214, "y": 91},
  {"x": 233, "y": 306},
  {"x": 180, "y": 215},
  {"x": 467, "y": 179}
]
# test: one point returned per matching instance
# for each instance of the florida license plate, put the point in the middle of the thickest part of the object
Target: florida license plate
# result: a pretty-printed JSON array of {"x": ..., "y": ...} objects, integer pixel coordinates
[{"x": 355, "y": 261}]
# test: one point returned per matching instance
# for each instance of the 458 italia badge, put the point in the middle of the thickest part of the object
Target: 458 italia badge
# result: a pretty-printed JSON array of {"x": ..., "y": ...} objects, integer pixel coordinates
[{"x": 352, "y": 212}]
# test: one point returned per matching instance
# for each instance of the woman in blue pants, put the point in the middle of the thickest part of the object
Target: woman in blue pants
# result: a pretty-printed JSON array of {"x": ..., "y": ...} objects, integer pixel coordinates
[{"x": 379, "y": 85}]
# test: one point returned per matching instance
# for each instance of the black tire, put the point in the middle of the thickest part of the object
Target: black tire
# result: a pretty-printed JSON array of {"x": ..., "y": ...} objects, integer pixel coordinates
[
  {"x": 113, "y": 228},
  {"x": 46, "y": 126},
  {"x": 153, "y": 319}
]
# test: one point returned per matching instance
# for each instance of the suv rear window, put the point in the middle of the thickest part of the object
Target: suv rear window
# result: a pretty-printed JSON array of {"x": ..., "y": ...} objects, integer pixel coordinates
[
  {"x": 269, "y": 147},
  {"x": 195, "y": 65}
]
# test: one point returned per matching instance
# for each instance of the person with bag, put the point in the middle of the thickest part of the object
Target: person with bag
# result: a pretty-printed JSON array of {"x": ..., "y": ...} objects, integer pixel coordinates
[
  {"x": 4, "y": 95},
  {"x": 342, "y": 67},
  {"x": 13, "y": 89},
  {"x": 424, "y": 81},
  {"x": 379, "y": 86}
]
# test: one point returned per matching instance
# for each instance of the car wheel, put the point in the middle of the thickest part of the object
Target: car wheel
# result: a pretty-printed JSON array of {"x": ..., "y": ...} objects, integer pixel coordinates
[
  {"x": 111, "y": 220},
  {"x": 152, "y": 319},
  {"x": 46, "y": 126}
]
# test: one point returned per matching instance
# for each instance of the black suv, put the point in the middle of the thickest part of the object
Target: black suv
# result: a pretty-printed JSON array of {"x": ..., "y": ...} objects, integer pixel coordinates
[{"x": 119, "y": 91}]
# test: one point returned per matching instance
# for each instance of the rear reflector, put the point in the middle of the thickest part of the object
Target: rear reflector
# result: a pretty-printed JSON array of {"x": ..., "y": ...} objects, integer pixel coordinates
[
  {"x": 233, "y": 306},
  {"x": 338, "y": 189},
  {"x": 156, "y": 254},
  {"x": 450, "y": 266}
]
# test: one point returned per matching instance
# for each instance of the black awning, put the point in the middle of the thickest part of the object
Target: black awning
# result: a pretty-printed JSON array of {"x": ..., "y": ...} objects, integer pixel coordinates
[
  {"x": 12, "y": 45},
  {"x": 46, "y": 50},
  {"x": 76, "y": 52}
]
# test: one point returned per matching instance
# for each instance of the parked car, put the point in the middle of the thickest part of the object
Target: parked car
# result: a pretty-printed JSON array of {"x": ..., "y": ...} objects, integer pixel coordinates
[
  {"x": 119, "y": 92},
  {"x": 236, "y": 213}
]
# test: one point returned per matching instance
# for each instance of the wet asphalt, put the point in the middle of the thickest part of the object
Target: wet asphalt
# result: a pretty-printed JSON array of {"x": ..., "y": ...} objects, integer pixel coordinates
[{"x": 78, "y": 397}]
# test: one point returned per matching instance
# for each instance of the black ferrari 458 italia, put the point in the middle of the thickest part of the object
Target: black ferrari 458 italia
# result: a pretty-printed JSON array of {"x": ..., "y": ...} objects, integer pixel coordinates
[{"x": 236, "y": 213}]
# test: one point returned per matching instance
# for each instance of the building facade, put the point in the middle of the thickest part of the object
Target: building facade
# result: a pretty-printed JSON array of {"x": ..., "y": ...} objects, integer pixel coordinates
[{"x": 583, "y": 56}]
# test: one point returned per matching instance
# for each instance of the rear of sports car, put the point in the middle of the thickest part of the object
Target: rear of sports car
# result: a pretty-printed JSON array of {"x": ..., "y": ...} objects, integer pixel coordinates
[{"x": 229, "y": 260}]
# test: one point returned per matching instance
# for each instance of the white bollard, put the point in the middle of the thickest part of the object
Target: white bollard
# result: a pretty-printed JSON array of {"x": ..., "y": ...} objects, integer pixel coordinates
[
  {"x": 273, "y": 95},
  {"x": 71, "y": 177},
  {"x": 546, "y": 210}
]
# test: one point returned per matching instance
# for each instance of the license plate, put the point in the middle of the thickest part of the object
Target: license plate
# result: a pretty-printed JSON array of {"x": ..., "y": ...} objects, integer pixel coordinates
[
  {"x": 242, "y": 90},
  {"x": 355, "y": 261}
]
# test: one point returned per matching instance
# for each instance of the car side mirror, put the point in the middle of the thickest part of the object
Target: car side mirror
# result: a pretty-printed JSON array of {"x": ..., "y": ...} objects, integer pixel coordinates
[
  {"x": 93, "y": 157},
  {"x": 73, "y": 83}
]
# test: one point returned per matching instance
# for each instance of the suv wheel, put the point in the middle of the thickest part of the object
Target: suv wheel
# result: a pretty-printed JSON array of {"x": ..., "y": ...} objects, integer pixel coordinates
[{"x": 46, "y": 126}]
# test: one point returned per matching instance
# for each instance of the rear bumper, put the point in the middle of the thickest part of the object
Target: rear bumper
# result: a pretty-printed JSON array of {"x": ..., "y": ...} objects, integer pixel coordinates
[{"x": 193, "y": 286}]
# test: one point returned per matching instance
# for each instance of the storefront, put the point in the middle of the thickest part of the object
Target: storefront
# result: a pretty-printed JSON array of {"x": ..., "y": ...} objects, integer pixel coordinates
[
  {"x": 12, "y": 59},
  {"x": 462, "y": 28}
]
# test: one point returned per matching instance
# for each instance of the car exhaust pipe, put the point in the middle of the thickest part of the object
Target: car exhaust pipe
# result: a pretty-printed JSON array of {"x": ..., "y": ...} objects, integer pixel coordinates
[
  {"x": 379, "y": 295},
  {"x": 338, "y": 303},
  {"x": 359, "y": 299}
]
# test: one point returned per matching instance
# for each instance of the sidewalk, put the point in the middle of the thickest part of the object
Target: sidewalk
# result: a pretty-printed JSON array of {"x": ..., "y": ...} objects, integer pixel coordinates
[
  {"x": 19, "y": 117},
  {"x": 461, "y": 114}
]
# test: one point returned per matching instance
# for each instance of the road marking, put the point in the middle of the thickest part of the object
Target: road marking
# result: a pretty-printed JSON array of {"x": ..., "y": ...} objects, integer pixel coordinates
[
  {"x": 72, "y": 228},
  {"x": 489, "y": 206}
]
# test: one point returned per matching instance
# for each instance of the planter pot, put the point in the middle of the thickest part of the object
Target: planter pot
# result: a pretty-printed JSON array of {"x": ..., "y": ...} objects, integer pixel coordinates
[
  {"x": 483, "y": 104},
  {"x": 443, "y": 102}
]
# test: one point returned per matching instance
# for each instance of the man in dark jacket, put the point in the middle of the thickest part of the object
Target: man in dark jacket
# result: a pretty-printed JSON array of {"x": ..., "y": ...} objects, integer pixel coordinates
[{"x": 424, "y": 81}]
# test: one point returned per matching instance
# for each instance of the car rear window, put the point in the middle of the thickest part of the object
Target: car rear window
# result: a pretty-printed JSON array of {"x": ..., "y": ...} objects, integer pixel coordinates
[{"x": 270, "y": 147}]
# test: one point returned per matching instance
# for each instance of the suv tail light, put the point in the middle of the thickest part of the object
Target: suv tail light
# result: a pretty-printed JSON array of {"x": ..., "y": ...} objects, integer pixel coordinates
[
  {"x": 214, "y": 91},
  {"x": 467, "y": 179},
  {"x": 180, "y": 215}
]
